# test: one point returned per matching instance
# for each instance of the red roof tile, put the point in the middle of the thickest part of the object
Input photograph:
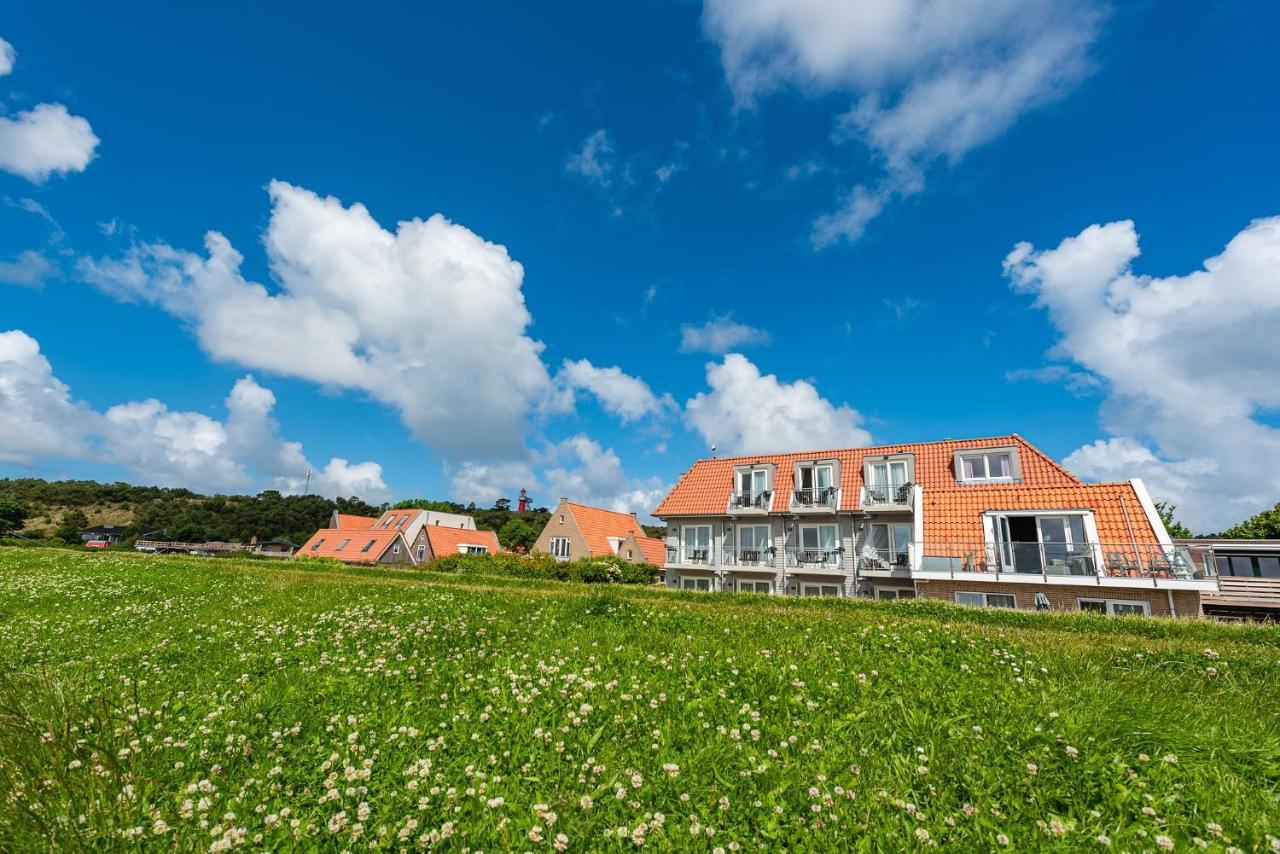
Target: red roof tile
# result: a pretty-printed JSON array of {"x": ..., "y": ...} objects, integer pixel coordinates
[
  {"x": 351, "y": 521},
  {"x": 655, "y": 551},
  {"x": 598, "y": 525},
  {"x": 361, "y": 546},
  {"x": 447, "y": 541}
]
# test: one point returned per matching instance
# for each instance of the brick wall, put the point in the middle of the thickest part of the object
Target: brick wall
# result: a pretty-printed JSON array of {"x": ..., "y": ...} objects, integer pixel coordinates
[{"x": 1065, "y": 597}]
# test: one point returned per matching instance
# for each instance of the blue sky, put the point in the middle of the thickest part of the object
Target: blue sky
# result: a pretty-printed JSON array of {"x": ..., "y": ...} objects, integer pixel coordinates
[{"x": 653, "y": 168}]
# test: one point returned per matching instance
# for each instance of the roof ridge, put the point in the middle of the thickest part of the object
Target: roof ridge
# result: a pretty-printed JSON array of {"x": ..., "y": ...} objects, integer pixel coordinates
[{"x": 847, "y": 449}]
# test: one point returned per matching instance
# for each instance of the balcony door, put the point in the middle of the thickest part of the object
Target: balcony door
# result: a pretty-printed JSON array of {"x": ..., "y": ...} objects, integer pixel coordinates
[
  {"x": 753, "y": 544},
  {"x": 814, "y": 482},
  {"x": 696, "y": 540},
  {"x": 1043, "y": 543},
  {"x": 892, "y": 473},
  {"x": 818, "y": 544},
  {"x": 752, "y": 483}
]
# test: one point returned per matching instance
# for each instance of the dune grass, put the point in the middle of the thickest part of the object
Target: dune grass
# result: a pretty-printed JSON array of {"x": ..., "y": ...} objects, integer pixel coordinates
[{"x": 178, "y": 703}]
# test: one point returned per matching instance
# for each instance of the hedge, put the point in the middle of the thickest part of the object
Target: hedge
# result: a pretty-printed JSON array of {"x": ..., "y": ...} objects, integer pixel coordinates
[{"x": 591, "y": 570}]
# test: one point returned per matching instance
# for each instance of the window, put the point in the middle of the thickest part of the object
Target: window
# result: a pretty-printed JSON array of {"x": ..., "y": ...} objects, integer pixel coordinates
[
  {"x": 561, "y": 518},
  {"x": 318, "y": 544},
  {"x": 997, "y": 465},
  {"x": 819, "y": 544},
  {"x": 1256, "y": 566},
  {"x": 475, "y": 550},
  {"x": 559, "y": 546},
  {"x": 888, "y": 544},
  {"x": 1116, "y": 607},
  {"x": 1055, "y": 543},
  {"x": 342, "y": 545},
  {"x": 755, "y": 586},
  {"x": 891, "y": 593},
  {"x": 987, "y": 600},
  {"x": 753, "y": 543},
  {"x": 696, "y": 540},
  {"x": 891, "y": 473},
  {"x": 422, "y": 551},
  {"x": 690, "y": 583},
  {"x": 814, "y": 484},
  {"x": 753, "y": 482},
  {"x": 819, "y": 589},
  {"x": 628, "y": 554},
  {"x": 395, "y": 548},
  {"x": 368, "y": 546}
]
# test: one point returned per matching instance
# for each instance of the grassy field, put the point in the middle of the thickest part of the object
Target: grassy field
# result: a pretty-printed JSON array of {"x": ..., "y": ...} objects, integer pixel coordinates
[{"x": 175, "y": 703}]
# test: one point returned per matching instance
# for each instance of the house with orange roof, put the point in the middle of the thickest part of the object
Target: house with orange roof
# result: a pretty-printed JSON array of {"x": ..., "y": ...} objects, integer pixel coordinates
[
  {"x": 402, "y": 536},
  {"x": 993, "y": 522},
  {"x": 580, "y": 530}
]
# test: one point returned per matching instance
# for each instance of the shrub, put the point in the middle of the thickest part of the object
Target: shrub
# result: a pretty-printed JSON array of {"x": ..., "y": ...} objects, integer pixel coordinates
[
  {"x": 315, "y": 563},
  {"x": 594, "y": 570}
]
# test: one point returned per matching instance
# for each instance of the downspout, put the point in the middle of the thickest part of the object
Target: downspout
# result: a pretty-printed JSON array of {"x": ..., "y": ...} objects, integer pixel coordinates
[
  {"x": 1133, "y": 540},
  {"x": 1173, "y": 612}
]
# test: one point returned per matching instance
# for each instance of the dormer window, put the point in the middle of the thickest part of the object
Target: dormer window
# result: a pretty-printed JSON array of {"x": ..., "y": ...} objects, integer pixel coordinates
[
  {"x": 753, "y": 482},
  {"x": 987, "y": 466}
]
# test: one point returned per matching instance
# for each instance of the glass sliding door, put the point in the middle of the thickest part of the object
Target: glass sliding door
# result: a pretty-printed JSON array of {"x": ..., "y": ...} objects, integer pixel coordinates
[
  {"x": 697, "y": 543},
  {"x": 753, "y": 544}
]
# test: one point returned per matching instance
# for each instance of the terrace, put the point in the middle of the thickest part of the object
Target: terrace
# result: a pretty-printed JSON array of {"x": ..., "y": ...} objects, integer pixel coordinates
[
  {"x": 887, "y": 497},
  {"x": 815, "y": 499},
  {"x": 750, "y": 502},
  {"x": 1106, "y": 564}
]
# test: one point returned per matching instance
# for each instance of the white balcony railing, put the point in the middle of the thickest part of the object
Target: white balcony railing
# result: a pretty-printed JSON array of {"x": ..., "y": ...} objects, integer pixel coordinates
[
  {"x": 749, "y": 558},
  {"x": 876, "y": 495}
]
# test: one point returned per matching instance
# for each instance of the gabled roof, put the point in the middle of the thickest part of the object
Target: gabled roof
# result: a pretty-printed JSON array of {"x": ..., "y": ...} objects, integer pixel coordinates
[
  {"x": 704, "y": 489},
  {"x": 447, "y": 541},
  {"x": 362, "y": 545},
  {"x": 598, "y": 525},
  {"x": 350, "y": 520},
  {"x": 655, "y": 551}
]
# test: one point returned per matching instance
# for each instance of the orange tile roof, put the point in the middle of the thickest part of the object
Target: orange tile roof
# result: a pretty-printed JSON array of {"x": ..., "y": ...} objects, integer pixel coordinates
[
  {"x": 954, "y": 516},
  {"x": 952, "y": 511},
  {"x": 352, "y": 521},
  {"x": 655, "y": 551},
  {"x": 327, "y": 542},
  {"x": 598, "y": 525},
  {"x": 704, "y": 488},
  {"x": 445, "y": 540}
]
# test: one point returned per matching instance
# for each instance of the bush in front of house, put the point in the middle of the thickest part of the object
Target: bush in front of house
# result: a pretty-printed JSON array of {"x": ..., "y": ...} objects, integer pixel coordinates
[{"x": 592, "y": 570}]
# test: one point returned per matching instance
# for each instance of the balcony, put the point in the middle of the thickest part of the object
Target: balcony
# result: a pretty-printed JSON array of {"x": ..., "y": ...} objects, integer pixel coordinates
[
  {"x": 750, "y": 503},
  {"x": 886, "y": 561},
  {"x": 888, "y": 497},
  {"x": 695, "y": 557},
  {"x": 1105, "y": 564},
  {"x": 763, "y": 558},
  {"x": 814, "y": 560},
  {"x": 821, "y": 499}
]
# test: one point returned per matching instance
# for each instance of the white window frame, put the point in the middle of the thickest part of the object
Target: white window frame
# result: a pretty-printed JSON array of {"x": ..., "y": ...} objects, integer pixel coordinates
[
  {"x": 752, "y": 475},
  {"x": 820, "y": 586},
  {"x": 754, "y": 584},
  {"x": 475, "y": 550},
  {"x": 897, "y": 593},
  {"x": 684, "y": 556},
  {"x": 834, "y": 559},
  {"x": 986, "y": 599},
  {"x": 986, "y": 467},
  {"x": 831, "y": 475},
  {"x": 1110, "y": 605},
  {"x": 559, "y": 547},
  {"x": 888, "y": 466},
  {"x": 422, "y": 551},
  {"x": 768, "y": 539},
  {"x": 701, "y": 583}
]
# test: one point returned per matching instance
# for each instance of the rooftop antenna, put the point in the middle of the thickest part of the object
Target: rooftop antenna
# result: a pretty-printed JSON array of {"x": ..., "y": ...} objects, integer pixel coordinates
[
  {"x": 306, "y": 490},
  {"x": 713, "y": 452}
]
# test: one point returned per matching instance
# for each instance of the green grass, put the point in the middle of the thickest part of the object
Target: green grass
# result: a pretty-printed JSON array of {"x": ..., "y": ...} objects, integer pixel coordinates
[{"x": 179, "y": 703}]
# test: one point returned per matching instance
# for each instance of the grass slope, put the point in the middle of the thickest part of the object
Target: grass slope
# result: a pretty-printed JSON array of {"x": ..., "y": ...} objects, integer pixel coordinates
[{"x": 178, "y": 703}]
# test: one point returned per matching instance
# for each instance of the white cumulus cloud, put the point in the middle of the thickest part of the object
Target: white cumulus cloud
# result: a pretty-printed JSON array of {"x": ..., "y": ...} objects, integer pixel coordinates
[
  {"x": 7, "y": 57},
  {"x": 429, "y": 318},
  {"x": 719, "y": 335},
  {"x": 584, "y": 471},
  {"x": 1187, "y": 363},
  {"x": 39, "y": 420},
  {"x": 746, "y": 411},
  {"x": 928, "y": 79},
  {"x": 44, "y": 141},
  {"x": 620, "y": 394}
]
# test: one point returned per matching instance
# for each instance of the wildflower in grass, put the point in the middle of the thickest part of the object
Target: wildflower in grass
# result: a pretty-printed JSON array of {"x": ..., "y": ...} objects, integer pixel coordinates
[
  {"x": 922, "y": 834},
  {"x": 535, "y": 833},
  {"x": 1033, "y": 769},
  {"x": 1169, "y": 758},
  {"x": 1103, "y": 839},
  {"x": 672, "y": 769},
  {"x": 1072, "y": 752},
  {"x": 561, "y": 843},
  {"x": 1001, "y": 839},
  {"x": 1214, "y": 829},
  {"x": 585, "y": 802},
  {"x": 1164, "y": 842}
]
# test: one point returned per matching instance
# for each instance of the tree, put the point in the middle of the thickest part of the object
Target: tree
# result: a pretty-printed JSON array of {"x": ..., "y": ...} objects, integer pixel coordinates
[
  {"x": 72, "y": 523},
  {"x": 517, "y": 534},
  {"x": 1176, "y": 529},
  {"x": 502, "y": 504},
  {"x": 12, "y": 515},
  {"x": 1264, "y": 526}
]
